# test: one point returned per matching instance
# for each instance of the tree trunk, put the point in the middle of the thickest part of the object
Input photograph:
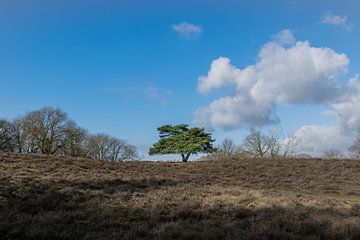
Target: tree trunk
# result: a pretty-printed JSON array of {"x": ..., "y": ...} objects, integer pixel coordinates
[{"x": 185, "y": 157}]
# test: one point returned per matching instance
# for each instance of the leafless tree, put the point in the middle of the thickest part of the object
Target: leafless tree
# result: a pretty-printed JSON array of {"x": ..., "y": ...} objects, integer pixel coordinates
[
  {"x": 23, "y": 141},
  {"x": 256, "y": 144},
  {"x": 129, "y": 153},
  {"x": 105, "y": 147},
  {"x": 49, "y": 131},
  {"x": 46, "y": 128},
  {"x": 355, "y": 148},
  {"x": 74, "y": 143},
  {"x": 259, "y": 144},
  {"x": 333, "y": 154},
  {"x": 273, "y": 141},
  {"x": 7, "y": 136},
  {"x": 289, "y": 146},
  {"x": 226, "y": 150}
]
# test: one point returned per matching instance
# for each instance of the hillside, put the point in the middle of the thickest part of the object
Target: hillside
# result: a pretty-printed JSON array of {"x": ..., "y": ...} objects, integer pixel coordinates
[{"x": 45, "y": 197}]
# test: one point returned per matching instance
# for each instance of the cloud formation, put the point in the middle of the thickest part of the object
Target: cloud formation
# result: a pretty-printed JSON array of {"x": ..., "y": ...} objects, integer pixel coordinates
[
  {"x": 336, "y": 20},
  {"x": 187, "y": 30},
  {"x": 296, "y": 74},
  {"x": 317, "y": 139},
  {"x": 287, "y": 72},
  {"x": 345, "y": 108}
]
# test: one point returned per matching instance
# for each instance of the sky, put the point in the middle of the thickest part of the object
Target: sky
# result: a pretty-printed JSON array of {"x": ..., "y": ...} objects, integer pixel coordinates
[{"x": 126, "y": 67}]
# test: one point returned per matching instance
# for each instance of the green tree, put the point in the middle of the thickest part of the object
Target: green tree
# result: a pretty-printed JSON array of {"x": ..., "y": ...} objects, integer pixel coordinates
[{"x": 180, "y": 139}]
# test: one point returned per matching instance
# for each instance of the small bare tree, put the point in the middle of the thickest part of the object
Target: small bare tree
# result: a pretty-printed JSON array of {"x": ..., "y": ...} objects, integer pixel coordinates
[
  {"x": 355, "y": 148},
  {"x": 289, "y": 146},
  {"x": 227, "y": 148},
  {"x": 333, "y": 154},
  {"x": 273, "y": 141},
  {"x": 258, "y": 144}
]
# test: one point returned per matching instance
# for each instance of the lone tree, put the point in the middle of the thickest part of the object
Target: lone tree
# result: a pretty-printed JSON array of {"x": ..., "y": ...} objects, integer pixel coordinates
[{"x": 180, "y": 139}]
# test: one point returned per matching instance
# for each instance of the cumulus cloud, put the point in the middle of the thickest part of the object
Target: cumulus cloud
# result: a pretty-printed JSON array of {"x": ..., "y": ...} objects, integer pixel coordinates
[
  {"x": 345, "y": 108},
  {"x": 316, "y": 139},
  {"x": 187, "y": 30},
  {"x": 296, "y": 74},
  {"x": 286, "y": 72},
  {"x": 336, "y": 20}
]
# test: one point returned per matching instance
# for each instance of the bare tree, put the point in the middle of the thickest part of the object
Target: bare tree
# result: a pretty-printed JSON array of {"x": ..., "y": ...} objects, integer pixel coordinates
[
  {"x": 273, "y": 141},
  {"x": 49, "y": 131},
  {"x": 129, "y": 153},
  {"x": 45, "y": 128},
  {"x": 333, "y": 154},
  {"x": 105, "y": 147},
  {"x": 289, "y": 146},
  {"x": 23, "y": 141},
  {"x": 259, "y": 144},
  {"x": 256, "y": 144},
  {"x": 226, "y": 150},
  {"x": 355, "y": 148},
  {"x": 7, "y": 136},
  {"x": 74, "y": 143}
]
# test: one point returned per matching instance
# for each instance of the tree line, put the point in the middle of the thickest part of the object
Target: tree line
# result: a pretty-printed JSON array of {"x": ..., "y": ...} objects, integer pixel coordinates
[
  {"x": 258, "y": 144},
  {"x": 271, "y": 144},
  {"x": 50, "y": 131},
  {"x": 180, "y": 139},
  {"x": 183, "y": 140}
]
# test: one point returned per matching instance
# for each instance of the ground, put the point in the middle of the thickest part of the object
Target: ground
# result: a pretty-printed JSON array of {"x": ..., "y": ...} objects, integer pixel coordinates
[{"x": 47, "y": 197}]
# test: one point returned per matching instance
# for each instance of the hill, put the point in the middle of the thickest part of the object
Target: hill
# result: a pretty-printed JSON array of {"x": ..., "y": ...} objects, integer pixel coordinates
[{"x": 47, "y": 197}]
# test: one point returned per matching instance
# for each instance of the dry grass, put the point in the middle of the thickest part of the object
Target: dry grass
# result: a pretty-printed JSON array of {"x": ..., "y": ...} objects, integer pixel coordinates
[{"x": 44, "y": 197}]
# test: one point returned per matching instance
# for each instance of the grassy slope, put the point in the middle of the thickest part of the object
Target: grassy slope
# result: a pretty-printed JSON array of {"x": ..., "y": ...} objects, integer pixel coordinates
[{"x": 44, "y": 197}]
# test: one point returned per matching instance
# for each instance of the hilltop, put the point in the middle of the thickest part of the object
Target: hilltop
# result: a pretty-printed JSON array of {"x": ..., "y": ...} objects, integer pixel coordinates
[{"x": 48, "y": 197}]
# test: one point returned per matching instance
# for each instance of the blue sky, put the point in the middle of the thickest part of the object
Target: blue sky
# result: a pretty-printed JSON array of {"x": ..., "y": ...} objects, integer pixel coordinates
[{"x": 126, "y": 67}]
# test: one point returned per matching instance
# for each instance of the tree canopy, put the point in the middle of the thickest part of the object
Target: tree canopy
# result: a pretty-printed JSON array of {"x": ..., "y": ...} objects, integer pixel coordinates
[{"x": 180, "y": 139}]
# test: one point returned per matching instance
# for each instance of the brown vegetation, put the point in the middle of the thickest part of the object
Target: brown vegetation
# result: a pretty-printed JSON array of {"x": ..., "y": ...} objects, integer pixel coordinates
[{"x": 49, "y": 197}]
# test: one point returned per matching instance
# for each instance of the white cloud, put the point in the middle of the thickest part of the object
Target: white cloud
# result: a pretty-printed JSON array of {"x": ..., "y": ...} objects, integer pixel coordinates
[
  {"x": 231, "y": 112},
  {"x": 346, "y": 107},
  {"x": 287, "y": 72},
  {"x": 299, "y": 73},
  {"x": 284, "y": 37},
  {"x": 187, "y": 30},
  {"x": 316, "y": 139},
  {"x": 336, "y": 20}
]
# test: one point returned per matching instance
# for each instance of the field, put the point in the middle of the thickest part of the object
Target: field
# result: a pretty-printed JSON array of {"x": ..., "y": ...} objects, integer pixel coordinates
[{"x": 45, "y": 197}]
